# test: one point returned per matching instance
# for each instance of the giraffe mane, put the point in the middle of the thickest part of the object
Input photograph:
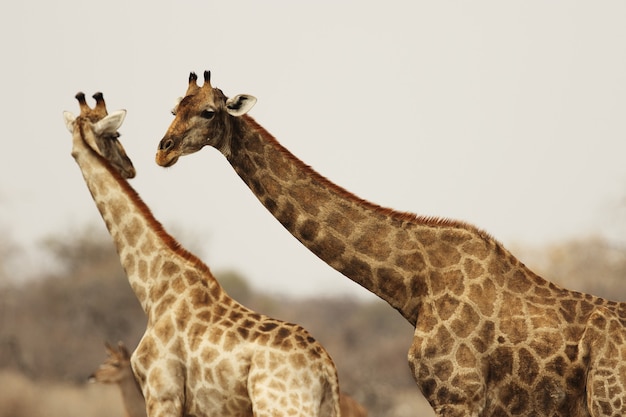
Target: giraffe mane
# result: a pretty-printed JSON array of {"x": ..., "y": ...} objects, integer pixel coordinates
[{"x": 402, "y": 216}]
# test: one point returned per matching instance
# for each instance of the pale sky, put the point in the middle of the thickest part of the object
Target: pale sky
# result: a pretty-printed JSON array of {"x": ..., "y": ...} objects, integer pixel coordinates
[{"x": 509, "y": 115}]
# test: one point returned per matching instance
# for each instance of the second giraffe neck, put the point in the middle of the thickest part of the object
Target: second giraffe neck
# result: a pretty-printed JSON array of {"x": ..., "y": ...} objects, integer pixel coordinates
[
  {"x": 148, "y": 254},
  {"x": 391, "y": 254}
]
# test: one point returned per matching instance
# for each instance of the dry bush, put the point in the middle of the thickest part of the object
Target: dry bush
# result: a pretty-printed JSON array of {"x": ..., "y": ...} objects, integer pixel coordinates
[
  {"x": 54, "y": 327},
  {"x": 592, "y": 265}
]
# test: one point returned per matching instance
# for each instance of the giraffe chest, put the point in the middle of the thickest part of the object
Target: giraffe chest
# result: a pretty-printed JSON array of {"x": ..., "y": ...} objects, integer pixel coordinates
[{"x": 527, "y": 354}]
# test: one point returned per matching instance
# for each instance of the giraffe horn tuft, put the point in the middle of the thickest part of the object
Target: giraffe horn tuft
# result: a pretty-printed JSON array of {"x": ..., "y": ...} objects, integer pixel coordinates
[
  {"x": 101, "y": 107},
  {"x": 84, "y": 107}
]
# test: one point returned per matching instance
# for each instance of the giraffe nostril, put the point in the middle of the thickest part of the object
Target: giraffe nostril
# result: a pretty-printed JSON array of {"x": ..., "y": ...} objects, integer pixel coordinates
[{"x": 166, "y": 145}]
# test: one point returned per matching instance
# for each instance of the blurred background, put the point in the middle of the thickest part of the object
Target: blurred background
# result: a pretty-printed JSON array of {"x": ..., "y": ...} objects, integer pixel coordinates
[{"x": 507, "y": 115}]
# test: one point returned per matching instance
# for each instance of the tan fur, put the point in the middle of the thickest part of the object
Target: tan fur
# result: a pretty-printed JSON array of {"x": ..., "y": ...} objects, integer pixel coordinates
[
  {"x": 202, "y": 354},
  {"x": 492, "y": 338}
]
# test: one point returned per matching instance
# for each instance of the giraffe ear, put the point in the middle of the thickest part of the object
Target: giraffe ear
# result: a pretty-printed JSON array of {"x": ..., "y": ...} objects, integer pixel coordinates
[
  {"x": 110, "y": 123},
  {"x": 240, "y": 104},
  {"x": 70, "y": 120}
]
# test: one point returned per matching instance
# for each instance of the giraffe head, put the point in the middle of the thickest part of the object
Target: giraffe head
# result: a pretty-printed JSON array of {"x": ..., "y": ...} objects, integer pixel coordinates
[
  {"x": 99, "y": 129},
  {"x": 203, "y": 117},
  {"x": 115, "y": 368}
]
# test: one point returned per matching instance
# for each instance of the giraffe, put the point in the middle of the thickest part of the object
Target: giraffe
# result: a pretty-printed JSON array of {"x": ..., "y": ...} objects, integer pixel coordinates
[
  {"x": 202, "y": 354},
  {"x": 351, "y": 407},
  {"x": 492, "y": 338},
  {"x": 116, "y": 369}
]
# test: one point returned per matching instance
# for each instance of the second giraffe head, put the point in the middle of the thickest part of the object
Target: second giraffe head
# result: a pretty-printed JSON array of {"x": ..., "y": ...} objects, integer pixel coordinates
[{"x": 202, "y": 117}]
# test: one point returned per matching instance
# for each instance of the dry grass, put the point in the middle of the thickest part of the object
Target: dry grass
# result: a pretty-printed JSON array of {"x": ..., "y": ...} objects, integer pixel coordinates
[{"x": 21, "y": 397}]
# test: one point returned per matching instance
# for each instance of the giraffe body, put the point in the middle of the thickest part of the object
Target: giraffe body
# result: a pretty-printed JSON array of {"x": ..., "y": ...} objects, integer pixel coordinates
[
  {"x": 202, "y": 354},
  {"x": 491, "y": 337},
  {"x": 116, "y": 369}
]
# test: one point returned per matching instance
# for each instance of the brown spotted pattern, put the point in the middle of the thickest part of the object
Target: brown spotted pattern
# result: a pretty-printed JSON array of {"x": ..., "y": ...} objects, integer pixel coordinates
[
  {"x": 203, "y": 354},
  {"x": 491, "y": 337}
]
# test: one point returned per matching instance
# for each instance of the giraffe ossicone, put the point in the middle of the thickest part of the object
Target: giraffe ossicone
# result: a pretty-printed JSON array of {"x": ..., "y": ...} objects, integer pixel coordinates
[
  {"x": 102, "y": 135},
  {"x": 491, "y": 337},
  {"x": 203, "y": 353}
]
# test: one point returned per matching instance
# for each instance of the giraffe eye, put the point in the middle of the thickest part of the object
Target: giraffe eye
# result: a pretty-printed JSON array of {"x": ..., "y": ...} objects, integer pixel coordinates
[{"x": 207, "y": 114}]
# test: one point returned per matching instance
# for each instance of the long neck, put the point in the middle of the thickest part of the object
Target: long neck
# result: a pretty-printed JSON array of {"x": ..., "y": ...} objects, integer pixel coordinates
[
  {"x": 146, "y": 251},
  {"x": 392, "y": 254},
  {"x": 134, "y": 402}
]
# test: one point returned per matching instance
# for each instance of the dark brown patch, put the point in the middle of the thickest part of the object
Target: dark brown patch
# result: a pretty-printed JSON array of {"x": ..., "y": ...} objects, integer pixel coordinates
[
  {"x": 243, "y": 332},
  {"x": 164, "y": 305},
  {"x": 571, "y": 351},
  {"x": 182, "y": 316},
  {"x": 439, "y": 345},
  {"x": 371, "y": 245},
  {"x": 309, "y": 197},
  {"x": 545, "y": 344},
  {"x": 195, "y": 335},
  {"x": 328, "y": 247},
  {"x": 485, "y": 337},
  {"x": 428, "y": 387},
  {"x": 473, "y": 269},
  {"x": 390, "y": 284},
  {"x": 411, "y": 262},
  {"x": 339, "y": 222},
  {"x": 268, "y": 326},
  {"x": 446, "y": 306},
  {"x": 309, "y": 229},
  {"x": 142, "y": 269},
  {"x": 466, "y": 323},
  {"x": 281, "y": 335},
  {"x": 198, "y": 297},
  {"x": 484, "y": 296},
  {"x": 286, "y": 214},
  {"x": 442, "y": 255},
  {"x": 557, "y": 365},
  {"x": 165, "y": 331},
  {"x": 170, "y": 268},
  {"x": 178, "y": 284},
  {"x": 515, "y": 397},
  {"x": 132, "y": 231},
  {"x": 519, "y": 282},
  {"x": 479, "y": 248},
  {"x": 359, "y": 270},
  {"x": 514, "y": 328},
  {"x": 443, "y": 369},
  {"x": 500, "y": 364},
  {"x": 465, "y": 357},
  {"x": 529, "y": 369},
  {"x": 577, "y": 378}
]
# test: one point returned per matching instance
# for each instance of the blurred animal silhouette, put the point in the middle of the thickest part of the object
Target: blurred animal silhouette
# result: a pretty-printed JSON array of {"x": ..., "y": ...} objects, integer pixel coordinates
[{"x": 116, "y": 369}]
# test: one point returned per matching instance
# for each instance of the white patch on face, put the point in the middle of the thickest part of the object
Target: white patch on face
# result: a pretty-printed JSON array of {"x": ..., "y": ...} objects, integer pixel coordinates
[{"x": 175, "y": 108}]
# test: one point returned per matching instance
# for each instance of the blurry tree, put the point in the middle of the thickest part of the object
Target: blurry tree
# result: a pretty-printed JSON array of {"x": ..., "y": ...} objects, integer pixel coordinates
[
  {"x": 593, "y": 265},
  {"x": 8, "y": 251},
  {"x": 54, "y": 327},
  {"x": 235, "y": 285}
]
